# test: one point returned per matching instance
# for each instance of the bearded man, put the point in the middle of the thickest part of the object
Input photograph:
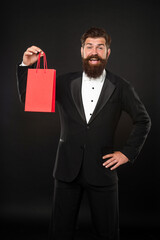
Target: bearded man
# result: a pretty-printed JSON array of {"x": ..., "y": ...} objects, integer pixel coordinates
[{"x": 90, "y": 105}]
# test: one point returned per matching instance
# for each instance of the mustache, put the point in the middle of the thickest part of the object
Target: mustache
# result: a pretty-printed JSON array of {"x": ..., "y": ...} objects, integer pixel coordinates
[{"x": 94, "y": 56}]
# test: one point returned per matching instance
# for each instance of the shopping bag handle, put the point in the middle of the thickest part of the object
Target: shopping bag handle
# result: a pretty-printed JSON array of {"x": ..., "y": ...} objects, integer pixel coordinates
[{"x": 44, "y": 61}]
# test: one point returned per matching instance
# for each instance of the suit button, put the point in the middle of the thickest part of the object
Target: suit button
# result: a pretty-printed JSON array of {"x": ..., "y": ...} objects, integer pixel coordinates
[{"x": 88, "y": 127}]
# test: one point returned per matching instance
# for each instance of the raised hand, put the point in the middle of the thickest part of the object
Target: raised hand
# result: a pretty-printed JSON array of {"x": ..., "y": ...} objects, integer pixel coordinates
[{"x": 30, "y": 56}]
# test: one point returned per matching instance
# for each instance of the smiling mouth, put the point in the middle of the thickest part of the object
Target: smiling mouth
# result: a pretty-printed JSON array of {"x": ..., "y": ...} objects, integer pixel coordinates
[{"x": 94, "y": 60}]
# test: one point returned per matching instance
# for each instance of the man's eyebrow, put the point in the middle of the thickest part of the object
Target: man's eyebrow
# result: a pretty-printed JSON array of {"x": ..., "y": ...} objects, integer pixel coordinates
[{"x": 100, "y": 44}]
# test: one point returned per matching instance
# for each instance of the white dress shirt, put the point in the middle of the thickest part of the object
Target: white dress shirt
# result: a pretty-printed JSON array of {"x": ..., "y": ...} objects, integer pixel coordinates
[{"x": 91, "y": 89}]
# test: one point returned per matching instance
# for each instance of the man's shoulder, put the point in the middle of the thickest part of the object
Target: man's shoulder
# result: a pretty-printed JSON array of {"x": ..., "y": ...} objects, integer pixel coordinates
[
  {"x": 116, "y": 80},
  {"x": 69, "y": 76}
]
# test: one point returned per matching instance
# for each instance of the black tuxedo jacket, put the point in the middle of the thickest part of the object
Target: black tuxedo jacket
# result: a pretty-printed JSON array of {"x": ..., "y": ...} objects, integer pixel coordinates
[{"x": 82, "y": 142}]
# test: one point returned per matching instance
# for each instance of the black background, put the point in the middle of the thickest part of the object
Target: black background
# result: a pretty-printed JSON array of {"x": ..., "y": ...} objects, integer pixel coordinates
[{"x": 29, "y": 140}]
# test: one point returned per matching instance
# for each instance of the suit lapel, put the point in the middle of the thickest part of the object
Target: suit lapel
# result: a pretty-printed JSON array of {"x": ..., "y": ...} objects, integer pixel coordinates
[
  {"x": 76, "y": 86},
  {"x": 107, "y": 90}
]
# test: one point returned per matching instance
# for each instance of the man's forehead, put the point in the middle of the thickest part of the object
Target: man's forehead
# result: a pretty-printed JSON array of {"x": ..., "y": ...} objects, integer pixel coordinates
[{"x": 95, "y": 41}]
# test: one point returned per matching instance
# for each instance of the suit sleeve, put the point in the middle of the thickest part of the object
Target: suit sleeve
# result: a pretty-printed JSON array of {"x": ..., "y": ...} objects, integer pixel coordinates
[
  {"x": 22, "y": 81},
  {"x": 141, "y": 122}
]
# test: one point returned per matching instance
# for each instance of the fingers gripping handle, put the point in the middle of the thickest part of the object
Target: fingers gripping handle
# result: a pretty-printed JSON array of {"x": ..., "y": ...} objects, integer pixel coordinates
[{"x": 44, "y": 61}]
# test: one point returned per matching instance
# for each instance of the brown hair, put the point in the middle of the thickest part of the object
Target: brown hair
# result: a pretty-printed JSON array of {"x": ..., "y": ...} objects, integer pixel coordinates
[{"x": 95, "y": 32}]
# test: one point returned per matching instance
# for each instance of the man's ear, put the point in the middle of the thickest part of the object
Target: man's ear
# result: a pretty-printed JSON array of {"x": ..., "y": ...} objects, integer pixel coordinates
[
  {"x": 108, "y": 53},
  {"x": 82, "y": 51}
]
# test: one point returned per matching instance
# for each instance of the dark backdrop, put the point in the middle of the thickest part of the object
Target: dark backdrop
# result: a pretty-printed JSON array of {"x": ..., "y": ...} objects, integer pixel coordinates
[{"x": 29, "y": 140}]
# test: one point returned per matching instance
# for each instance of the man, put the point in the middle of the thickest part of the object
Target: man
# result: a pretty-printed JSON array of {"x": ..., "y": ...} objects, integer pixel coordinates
[{"x": 90, "y": 105}]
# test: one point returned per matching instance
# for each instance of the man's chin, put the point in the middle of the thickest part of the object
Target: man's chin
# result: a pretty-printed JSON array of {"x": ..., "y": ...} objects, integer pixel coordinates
[{"x": 94, "y": 71}]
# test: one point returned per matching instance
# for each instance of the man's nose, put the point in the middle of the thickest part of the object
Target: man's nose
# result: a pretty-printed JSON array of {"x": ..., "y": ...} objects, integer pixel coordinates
[{"x": 94, "y": 50}]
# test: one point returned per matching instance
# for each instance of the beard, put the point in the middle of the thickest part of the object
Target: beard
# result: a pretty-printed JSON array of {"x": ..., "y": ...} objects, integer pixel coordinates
[{"x": 94, "y": 70}]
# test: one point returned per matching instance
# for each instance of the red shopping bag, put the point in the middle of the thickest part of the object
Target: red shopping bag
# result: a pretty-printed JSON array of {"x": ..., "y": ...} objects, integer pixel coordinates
[{"x": 40, "y": 89}]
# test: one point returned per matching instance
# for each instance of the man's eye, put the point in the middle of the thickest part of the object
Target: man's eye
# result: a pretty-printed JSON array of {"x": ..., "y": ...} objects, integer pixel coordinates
[{"x": 89, "y": 47}]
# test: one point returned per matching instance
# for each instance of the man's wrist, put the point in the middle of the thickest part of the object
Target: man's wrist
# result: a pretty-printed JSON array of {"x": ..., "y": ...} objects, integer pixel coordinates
[{"x": 22, "y": 64}]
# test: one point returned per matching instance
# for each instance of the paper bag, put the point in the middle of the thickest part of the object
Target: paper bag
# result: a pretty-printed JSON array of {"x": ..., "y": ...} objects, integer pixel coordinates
[{"x": 40, "y": 89}]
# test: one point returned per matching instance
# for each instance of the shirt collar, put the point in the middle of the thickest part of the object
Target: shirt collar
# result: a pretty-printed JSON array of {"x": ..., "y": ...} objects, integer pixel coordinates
[{"x": 99, "y": 79}]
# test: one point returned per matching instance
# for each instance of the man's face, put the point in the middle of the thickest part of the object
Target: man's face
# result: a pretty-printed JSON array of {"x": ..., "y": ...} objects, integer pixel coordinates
[{"x": 94, "y": 56}]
